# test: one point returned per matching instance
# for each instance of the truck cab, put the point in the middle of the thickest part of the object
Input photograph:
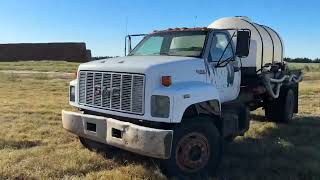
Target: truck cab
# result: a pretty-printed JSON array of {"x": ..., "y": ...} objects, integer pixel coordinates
[{"x": 175, "y": 96}]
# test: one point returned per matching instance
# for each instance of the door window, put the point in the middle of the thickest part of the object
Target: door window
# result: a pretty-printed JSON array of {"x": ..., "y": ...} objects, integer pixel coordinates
[{"x": 219, "y": 44}]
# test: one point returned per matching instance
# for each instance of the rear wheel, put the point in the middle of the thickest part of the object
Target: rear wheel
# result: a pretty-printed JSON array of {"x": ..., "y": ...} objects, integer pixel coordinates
[
  {"x": 281, "y": 109},
  {"x": 196, "y": 149}
]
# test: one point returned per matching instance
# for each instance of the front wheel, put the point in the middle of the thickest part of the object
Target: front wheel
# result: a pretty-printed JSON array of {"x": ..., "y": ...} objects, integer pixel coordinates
[{"x": 196, "y": 149}]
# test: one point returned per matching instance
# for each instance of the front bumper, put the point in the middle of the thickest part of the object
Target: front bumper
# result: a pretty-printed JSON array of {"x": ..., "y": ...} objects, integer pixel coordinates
[{"x": 138, "y": 139}]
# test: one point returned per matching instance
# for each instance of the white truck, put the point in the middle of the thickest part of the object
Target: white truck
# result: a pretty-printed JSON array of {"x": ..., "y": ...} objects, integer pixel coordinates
[{"x": 180, "y": 92}]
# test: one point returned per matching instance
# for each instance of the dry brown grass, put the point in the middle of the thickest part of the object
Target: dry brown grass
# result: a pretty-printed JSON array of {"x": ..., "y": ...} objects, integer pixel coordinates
[
  {"x": 44, "y": 66},
  {"x": 34, "y": 145}
]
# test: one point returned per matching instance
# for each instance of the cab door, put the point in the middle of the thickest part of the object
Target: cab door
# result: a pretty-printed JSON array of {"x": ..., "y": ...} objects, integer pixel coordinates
[{"x": 223, "y": 67}]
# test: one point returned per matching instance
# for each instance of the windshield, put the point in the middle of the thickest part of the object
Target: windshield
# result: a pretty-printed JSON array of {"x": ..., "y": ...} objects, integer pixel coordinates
[{"x": 171, "y": 44}]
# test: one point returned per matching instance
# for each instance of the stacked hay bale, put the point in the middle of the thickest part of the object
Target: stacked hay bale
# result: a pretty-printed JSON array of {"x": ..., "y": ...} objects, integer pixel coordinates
[{"x": 68, "y": 51}]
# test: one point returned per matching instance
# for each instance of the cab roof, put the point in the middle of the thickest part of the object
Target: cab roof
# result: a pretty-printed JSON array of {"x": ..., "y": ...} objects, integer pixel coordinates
[{"x": 183, "y": 29}]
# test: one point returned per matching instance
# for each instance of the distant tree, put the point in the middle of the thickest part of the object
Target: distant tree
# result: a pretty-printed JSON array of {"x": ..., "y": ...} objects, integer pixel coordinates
[{"x": 302, "y": 60}]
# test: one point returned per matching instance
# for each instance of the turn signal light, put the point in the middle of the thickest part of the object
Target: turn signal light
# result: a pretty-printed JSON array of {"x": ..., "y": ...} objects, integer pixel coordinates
[
  {"x": 76, "y": 74},
  {"x": 166, "y": 81}
]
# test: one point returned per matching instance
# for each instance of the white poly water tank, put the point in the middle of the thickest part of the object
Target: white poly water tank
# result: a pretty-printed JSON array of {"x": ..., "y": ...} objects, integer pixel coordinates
[{"x": 266, "y": 45}]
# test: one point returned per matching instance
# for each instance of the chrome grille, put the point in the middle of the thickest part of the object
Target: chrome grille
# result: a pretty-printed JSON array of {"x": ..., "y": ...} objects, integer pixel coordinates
[{"x": 112, "y": 91}]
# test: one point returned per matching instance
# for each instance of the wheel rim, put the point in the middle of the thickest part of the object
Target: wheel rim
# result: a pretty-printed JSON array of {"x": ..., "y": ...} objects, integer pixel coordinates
[{"x": 193, "y": 152}]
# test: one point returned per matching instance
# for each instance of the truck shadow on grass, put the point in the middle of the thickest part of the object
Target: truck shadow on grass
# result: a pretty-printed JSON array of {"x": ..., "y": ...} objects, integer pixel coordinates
[
  {"x": 275, "y": 151},
  {"x": 118, "y": 156},
  {"x": 125, "y": 158},
  {"x": 267, "y": 151}
]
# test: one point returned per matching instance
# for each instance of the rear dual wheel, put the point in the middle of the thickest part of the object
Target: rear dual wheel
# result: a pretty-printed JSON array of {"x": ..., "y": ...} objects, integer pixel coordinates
[{"x": 281, "y": 109}]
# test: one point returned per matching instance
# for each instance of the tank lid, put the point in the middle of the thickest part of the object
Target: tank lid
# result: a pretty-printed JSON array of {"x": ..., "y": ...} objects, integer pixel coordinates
[{"x": 244, "y": 18}]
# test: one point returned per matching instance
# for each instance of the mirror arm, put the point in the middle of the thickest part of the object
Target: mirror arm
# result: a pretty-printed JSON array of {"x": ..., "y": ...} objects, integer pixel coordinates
[
  {"x": 226, "y": 60},
  {"x": 128, "y": 38}
]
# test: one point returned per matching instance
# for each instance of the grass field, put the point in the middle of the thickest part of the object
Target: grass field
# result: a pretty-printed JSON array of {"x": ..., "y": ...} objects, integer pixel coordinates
[
  {"x": 33, "y": 144},
  {"x": 44, "y": 66},
  {"x": 307, "y": 67}
]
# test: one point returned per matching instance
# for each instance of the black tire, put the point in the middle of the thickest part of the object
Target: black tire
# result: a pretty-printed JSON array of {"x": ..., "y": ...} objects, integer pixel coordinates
[
  {"x": 281, "y": 110},
  {"x": 95, "y": 146},
  {"x": 196, "y": 149},
  {"x": 230, "y": 139}
]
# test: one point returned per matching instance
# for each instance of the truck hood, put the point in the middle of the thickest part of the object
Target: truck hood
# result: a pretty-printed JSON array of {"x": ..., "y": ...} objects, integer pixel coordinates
[{"x": 132, "y": 64}]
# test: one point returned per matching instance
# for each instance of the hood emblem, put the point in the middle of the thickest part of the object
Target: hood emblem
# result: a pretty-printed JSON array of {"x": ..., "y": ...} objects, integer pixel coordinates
[
  {"x": 113, "y": 91},
  {"x": 97, "y": 90},
  {"x": 121, "y": 62}
]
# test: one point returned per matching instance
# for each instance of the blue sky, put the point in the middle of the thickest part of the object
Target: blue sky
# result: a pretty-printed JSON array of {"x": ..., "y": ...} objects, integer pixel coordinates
[{"x": 101, "y": 23}]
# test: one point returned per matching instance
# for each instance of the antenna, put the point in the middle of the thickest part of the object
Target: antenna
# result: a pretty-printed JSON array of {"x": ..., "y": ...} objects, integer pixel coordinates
[
  {"x": 195, "y": 21},
  {"x": 125, "y": 37},
  {"x": 126, "y": 26}
]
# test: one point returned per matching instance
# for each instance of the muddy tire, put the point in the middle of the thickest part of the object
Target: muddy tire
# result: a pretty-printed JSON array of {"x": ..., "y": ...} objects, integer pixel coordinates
[
  {"x": 95, "y": 146},
  {"x": 281, "y": 110},
  {"x": 196, "y": 149}
]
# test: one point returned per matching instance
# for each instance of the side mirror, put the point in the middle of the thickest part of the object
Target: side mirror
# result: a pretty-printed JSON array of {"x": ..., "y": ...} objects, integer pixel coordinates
[
  {"x": 127, "y": 45},
  {"x": 243, "y": 43}
]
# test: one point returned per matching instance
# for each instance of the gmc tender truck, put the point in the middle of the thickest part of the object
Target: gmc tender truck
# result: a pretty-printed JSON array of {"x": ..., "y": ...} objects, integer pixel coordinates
[{"x": 180, "y": 92}]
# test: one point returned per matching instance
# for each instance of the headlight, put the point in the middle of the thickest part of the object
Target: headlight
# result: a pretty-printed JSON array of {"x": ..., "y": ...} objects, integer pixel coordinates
[
  {"x": 160, "y": 106},
  {"x": 72, "y": 94}
]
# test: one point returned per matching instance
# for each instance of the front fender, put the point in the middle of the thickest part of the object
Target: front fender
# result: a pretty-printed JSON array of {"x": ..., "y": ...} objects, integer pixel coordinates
[{"x": 184, "y": 94}]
